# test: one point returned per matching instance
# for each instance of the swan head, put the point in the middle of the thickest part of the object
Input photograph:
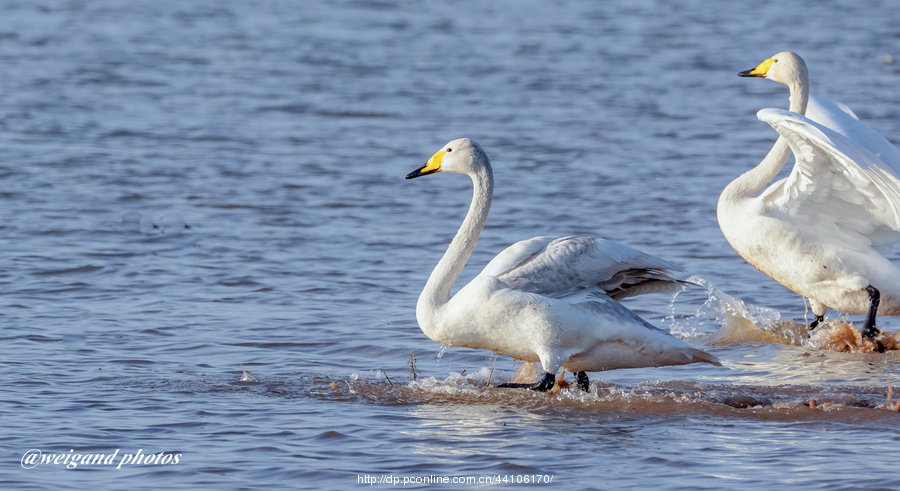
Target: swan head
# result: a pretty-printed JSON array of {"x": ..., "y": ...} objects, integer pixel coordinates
[
  {"x": 785, "y": 67},
  {"x": 462, "y": 156}
]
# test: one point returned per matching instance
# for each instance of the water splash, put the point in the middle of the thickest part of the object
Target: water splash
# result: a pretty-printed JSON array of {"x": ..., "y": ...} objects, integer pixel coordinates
[
  {"x": 840, "y": 335},
  {"x": 773, "y": 403},
  {"x": 730, "y": 320}
]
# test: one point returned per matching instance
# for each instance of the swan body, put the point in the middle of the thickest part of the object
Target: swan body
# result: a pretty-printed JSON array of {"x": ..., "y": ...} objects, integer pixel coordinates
[
  {"x": 823, "y": 230},
  {"x": 546, "y": 300}
]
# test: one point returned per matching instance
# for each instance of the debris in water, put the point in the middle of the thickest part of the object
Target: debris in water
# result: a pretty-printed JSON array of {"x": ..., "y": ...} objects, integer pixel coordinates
[
  {"x": 247, "y": 376},
  {"x": 744, "y": 402},
  {"x": 891, "y": 405},
  {"x": 491, "y": 374},
  {"x": 387, "y": 377}
]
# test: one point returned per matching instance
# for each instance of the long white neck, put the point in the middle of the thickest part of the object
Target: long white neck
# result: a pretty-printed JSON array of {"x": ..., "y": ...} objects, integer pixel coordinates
[
  {"x": 437, "y": 290},
  {"x": 752, "y": 182}
]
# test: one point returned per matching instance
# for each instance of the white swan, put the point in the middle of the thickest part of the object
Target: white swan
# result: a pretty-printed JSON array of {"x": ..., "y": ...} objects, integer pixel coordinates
[
  {"x": 544, "y": 300},
  {"x": 822, "y": 231}
]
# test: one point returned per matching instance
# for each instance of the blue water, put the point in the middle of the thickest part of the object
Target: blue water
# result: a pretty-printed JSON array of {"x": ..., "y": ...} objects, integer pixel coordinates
[{"x": 192, "y": 190}]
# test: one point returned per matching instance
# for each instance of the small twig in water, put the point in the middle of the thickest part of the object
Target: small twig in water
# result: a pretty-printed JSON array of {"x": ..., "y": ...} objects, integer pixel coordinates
[
  {"x": 412, "y": 366},
  {"x": 890, "y": 398},
  {"x": 387, "y": 377},
  {"x": 491, "y": 373}
]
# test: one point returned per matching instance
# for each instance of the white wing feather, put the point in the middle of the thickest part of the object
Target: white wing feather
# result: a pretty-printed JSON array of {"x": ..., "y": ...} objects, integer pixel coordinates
[
  {"x": 836, "y": 187},
  {"x": 840, "y": 118},
  {"x": 564, "y": 266}
]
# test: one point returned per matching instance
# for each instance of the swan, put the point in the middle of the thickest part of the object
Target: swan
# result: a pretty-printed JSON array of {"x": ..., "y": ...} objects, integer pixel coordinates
[
  {"x": 547, "y": 300},
  {"x": 822, "y": 231}
]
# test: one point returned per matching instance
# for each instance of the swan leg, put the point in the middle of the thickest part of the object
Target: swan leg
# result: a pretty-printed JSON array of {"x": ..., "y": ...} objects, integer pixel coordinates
[
  {"x": 581, "y": 378},
  {"x": 815, "y": 323},
  {"x": 542, "y": 385},
  {"x": 869, "y": 330}
]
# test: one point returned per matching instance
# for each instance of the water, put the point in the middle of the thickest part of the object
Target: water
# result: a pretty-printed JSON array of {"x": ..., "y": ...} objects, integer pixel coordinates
[{"x": 192, "y": 191}]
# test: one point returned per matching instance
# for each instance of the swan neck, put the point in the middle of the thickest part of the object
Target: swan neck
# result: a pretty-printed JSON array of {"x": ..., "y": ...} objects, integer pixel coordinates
[
  {"x": 799, "y": 94},
  {"x": 448, "y": 269},
  {"x": 752, "y": 182}
]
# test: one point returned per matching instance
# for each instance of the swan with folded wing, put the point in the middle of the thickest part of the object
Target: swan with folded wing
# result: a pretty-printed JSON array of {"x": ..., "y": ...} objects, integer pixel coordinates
[{"x": 547, "y": 300}]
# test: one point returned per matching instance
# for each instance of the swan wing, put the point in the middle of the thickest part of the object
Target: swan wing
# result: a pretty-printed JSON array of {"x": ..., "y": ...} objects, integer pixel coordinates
[
  {"x": 565, "y": 266},
  {"x": 840, "y": 118},
  {"x": 621, "y": 325},
  {"x": 836, "y": 187}
]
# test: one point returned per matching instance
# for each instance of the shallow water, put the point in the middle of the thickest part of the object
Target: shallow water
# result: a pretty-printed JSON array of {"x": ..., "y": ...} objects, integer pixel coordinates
[{"x": 192, "y": 191}]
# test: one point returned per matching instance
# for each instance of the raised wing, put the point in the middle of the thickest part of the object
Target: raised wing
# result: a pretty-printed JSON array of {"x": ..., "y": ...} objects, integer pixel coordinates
[
  {"x": 836, "y": 185},
  {"x": 565, "y": 266},
  {"x": 840, "y": 118}
]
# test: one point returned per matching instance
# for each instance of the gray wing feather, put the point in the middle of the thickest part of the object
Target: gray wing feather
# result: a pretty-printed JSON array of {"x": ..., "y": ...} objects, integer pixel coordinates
[{"x": 576, "y": 265}]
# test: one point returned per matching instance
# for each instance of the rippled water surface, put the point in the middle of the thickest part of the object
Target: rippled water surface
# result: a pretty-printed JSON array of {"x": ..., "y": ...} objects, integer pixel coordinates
[{"x": 199, "y": 192}]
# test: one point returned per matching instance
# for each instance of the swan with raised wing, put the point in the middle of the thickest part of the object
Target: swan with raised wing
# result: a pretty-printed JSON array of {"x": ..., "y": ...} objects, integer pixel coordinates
[
  {"x": 824, "y": 230},
  {"x": 547, "y": 300}
]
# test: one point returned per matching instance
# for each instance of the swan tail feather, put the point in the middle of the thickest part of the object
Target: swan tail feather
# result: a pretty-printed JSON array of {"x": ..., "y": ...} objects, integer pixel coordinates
[{"x": 698, "y": 356}]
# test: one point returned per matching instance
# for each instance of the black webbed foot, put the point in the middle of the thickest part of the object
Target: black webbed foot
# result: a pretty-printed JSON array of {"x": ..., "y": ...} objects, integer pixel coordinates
[
  {"x": 815, "y": 323},
  {"x": 872, "y": 335},
  {"x": 581, "y": 378},
  {"x": 869, "y": 331},
  {"x": 543, "y": 385}
]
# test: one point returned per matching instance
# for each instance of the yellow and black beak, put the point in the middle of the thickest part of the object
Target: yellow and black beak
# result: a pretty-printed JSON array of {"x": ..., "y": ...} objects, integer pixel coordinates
[
  {"x": 759, "y": 71},
  {"x": 433, "y": 165}
]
